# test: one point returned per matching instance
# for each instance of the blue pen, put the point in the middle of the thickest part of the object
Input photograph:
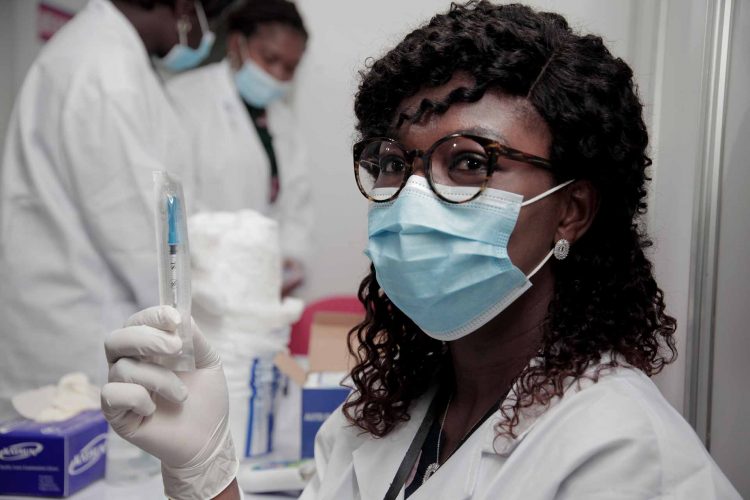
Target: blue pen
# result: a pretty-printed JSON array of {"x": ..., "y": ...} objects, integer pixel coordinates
[{"x": 173, "y": 239}]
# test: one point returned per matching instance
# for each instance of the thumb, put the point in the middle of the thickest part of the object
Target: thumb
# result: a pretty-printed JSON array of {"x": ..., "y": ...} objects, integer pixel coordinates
[
  {"x": 160, "y": 317},
  {"x": 205, "y": 355}
]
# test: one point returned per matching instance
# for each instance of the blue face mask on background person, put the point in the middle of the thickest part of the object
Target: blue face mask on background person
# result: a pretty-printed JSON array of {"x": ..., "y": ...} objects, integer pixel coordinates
[
  {"x": 446, "y": 266},
  {"x": 257, "y": 87},
  {"x": 181, "y": 56}
]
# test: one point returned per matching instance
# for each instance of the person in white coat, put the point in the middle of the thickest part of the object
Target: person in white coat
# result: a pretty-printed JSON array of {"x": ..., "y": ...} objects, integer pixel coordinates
[
  {"x": 249, "y": 153},
  {"x": 90, "y": 124},
  {"x": 513, "y": 320}
]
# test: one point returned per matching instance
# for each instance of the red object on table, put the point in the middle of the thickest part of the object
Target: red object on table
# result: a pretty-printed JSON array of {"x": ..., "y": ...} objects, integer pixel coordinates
[{"x": 300, "y": 335}]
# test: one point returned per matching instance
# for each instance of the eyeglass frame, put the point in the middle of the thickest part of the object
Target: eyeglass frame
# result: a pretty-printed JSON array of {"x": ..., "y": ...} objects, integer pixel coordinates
[{"x": 492, "y": 147}]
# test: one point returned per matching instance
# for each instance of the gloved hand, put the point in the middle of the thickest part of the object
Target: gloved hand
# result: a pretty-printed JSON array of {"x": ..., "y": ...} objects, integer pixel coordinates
[{"x": 181, "y": 418}]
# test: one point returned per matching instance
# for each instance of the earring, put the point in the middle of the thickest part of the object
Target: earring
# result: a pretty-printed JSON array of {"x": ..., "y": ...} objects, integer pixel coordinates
[{"x": 562, "y": 247}]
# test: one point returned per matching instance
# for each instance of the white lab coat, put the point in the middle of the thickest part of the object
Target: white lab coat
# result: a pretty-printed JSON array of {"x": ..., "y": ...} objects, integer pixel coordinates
[
  {"x": 77, "y": 243},
  {"x": 616, "y": 439},
  {"x": 232, "y": 167}
]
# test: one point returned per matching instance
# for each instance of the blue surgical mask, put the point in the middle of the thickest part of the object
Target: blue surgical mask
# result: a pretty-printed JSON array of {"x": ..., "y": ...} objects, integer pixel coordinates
[
  {"x": 257, "y": 87},
  {"x": 446, "y": 266},
  {"x": 181, "y": 56}
]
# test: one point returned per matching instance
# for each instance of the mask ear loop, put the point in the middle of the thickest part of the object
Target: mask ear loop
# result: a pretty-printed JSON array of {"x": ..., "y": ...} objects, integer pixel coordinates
[
  {"x": 537, "y": 198},
  {"x": 541, "y": 264},
  {"x": 183, "y": 27},
  {"x": 547, "y": 193},
  {"x": 201, "y": 17}
]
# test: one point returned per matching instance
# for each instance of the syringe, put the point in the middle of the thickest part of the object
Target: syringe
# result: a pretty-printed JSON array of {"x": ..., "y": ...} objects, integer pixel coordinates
[{"x": 173, "y": 239}]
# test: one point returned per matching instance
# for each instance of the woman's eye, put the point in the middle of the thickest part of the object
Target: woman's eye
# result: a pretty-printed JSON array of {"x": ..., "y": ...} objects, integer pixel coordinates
[
  {"x": 469, "y": 163},
  {"x": 392, "y": 165}
]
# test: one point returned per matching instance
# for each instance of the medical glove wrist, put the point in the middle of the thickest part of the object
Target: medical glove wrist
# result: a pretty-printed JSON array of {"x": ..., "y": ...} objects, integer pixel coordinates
[
  {"x": 208, "y": 476},
  {"x": 182, "y": 418}
]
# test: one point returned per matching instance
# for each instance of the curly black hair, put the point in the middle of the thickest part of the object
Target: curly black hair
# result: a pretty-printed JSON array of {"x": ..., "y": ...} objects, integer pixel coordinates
[
  {"x": 605, "y": 297},
  {"x": 254, "y": 13},
  {"x": 212, "y": 8}
]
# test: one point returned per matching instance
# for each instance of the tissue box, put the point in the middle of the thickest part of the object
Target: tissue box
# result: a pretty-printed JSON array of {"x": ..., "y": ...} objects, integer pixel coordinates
[
  {"x": 52, "y": 459},
  {"x": 329, "y": 363}
]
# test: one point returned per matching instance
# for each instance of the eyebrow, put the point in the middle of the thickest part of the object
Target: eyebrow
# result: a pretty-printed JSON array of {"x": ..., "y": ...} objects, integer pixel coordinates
[
  {"x": 478, "y": 130},
  {"x": 487, "y": 132}
]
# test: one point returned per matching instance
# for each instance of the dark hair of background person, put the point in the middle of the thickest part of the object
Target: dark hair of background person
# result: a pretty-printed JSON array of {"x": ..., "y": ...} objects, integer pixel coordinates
[
  {"x": 254, "y": 13},
  {"x": 605, "y": 298},
  {"x": 211, "y": 7}
]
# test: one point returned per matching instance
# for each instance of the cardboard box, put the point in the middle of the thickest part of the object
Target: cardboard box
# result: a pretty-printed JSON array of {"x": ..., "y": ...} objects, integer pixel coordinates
[
  {"x": 52, "y": 459},
  {"x": 329, "y": 363}
]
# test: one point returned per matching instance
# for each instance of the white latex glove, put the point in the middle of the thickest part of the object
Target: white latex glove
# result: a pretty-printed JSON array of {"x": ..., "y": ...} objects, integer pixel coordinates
[{"x": 179, "y": 417}]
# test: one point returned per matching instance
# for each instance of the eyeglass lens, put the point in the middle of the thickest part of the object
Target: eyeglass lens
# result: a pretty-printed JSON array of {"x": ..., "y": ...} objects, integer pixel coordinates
[{"x": 458, "y": 168}]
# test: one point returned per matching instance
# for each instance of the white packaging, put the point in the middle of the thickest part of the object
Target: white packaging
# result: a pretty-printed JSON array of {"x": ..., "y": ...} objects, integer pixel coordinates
[
  {"x": 236, "y": 270},
  {"x": 173, "y": 252}
]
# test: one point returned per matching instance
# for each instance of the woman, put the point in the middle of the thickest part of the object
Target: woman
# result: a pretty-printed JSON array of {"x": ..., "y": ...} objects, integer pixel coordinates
[
  {"x": 249, "y": 152},
  {"x": 499, "y": 150}
]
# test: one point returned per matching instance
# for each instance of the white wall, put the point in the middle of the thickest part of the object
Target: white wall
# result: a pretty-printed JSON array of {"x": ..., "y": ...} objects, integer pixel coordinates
[{"x": 730, "y": 405}]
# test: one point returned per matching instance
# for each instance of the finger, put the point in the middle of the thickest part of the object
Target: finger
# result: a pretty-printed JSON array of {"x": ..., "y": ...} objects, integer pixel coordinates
[
  {"x": 161, "y": 317},
  {"x": 153, "y": 377},
  {"x": 205, "y": 356},
  {"x": 140, "y": 341},
  {"x": 118, "y": 397}
]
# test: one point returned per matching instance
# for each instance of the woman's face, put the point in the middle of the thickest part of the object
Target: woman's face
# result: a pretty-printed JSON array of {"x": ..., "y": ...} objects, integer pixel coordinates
[
  {"x": 277, "y": 48},
  {"x": 512, "y": 121}
]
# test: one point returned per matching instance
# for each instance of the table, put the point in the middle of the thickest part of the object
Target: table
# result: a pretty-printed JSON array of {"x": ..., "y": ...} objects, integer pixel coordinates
[
  {"x": 149, "y": 489},
  {"x": 286, "y": 442}
]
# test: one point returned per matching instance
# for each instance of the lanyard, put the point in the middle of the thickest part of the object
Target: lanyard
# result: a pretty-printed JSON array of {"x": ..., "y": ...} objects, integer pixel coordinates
[
  {"x": 414, "y": 448},
  {"x": 418, "y": 442}
]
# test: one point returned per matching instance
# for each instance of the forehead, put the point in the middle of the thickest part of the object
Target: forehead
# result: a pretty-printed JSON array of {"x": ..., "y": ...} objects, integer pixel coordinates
[
  {"x": 509, "y": 119},
  {"x": 279, "y": 38}
]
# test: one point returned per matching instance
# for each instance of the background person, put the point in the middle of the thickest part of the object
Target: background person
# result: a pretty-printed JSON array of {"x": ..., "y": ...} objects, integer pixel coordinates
[
  {"x": 500, "y": 149},
  {"x": 90, "y": 124},
  {"x": 248, "y": 152}
]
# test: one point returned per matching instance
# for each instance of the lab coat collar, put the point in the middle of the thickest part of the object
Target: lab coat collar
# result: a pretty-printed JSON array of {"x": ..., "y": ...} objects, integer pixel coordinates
[
  {"x": 224, "y": 67},
  {"x": 375, "y": 463},
  {"x": 504, "y": 445},
  {"x": 479, "y": 446},
  {"x": 462, "y": 471},
  {"x": 377, "y": 460}
]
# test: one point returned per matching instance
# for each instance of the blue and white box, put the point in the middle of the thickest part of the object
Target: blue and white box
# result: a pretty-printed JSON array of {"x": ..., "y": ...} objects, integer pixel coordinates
[
  {"x": 328, "y": 363},
  {"x": 52, "y": 459},
  {"x": 261, "y": 404},
  {"x": 321, "y": 395}
]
